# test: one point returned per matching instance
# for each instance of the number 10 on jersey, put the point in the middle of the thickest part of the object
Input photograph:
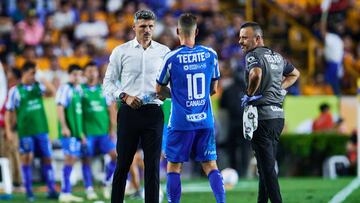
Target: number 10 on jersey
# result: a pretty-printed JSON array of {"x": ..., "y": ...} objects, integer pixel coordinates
[{"x": 192, "y": 83}]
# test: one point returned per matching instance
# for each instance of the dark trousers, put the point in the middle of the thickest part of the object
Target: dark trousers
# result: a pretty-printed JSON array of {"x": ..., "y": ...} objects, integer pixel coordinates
[
  {"x": 264, "y": 143},
  {"x": 142, "y": 125}
]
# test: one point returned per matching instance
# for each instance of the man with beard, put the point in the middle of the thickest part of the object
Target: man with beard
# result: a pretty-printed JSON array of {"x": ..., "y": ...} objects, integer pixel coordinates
[{"x": 268, "y": 75}]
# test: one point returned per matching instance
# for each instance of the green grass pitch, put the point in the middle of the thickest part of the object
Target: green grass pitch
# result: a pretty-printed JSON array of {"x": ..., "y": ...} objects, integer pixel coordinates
[{"x": 294, "y": 190}]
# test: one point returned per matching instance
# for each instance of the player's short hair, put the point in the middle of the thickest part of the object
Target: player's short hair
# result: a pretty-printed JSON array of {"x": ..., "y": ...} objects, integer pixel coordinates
[
  {"x": 145, "y": 15},
  {"x": 28, "y": 65},
  {"x": 73, "y": 67},
  {"x": 187, "y": 23},
  {"x": 324, "y": 107},
  {"x": 16, "y": 72},
  {"x": 255, "y": 26},
  {"x": 91, "y": 63}
]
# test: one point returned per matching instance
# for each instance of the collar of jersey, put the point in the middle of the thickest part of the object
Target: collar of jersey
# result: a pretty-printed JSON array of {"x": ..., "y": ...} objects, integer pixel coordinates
[{"x": 258, "y": 47}]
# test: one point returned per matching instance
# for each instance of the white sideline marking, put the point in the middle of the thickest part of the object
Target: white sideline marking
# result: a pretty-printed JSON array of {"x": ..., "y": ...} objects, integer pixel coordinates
[{"x": 344, "y": 193}]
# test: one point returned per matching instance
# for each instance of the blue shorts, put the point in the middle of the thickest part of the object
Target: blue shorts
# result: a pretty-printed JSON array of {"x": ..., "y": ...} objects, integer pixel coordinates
[
  {"x": 39, "y": 144},
  {"x": 97, "y": 144},
  {"x": 71, "y": 146},
  {"x": 200, "y": 144}
]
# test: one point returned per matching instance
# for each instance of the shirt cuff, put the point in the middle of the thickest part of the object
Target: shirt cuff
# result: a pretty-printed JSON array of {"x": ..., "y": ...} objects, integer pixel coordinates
[{"x": 117, "y": 94}]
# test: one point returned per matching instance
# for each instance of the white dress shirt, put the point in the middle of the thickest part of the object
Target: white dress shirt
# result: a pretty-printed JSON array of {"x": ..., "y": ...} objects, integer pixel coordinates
[{"x": 133, "y": 70}]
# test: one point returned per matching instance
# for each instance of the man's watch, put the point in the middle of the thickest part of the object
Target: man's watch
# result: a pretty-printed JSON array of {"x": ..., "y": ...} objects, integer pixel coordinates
[{"x": 123, "y": 97}]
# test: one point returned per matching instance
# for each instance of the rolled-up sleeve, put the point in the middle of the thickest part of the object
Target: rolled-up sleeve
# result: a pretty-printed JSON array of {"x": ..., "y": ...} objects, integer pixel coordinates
[{"x": 111, "y": 85}]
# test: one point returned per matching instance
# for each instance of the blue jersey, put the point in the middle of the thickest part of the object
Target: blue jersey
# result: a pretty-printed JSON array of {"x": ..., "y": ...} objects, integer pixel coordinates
[{"x": 190, "y": 72}]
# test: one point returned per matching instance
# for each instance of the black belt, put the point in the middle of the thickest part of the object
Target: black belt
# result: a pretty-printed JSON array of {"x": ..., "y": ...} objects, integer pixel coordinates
[
  {"x": 261, "y": 105},
  {"x": 143, "y": 106}
]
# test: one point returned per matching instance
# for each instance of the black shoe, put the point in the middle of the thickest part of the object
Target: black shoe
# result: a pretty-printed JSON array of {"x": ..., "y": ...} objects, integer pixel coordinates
[{"x": 52, "y": 195}]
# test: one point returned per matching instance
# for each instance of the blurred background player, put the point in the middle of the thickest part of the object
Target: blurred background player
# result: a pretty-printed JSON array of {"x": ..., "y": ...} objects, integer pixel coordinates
[
  {"x": 9, "y": 149},
  {"x": 99, "y": 124},
  {"x": 25, "y": 103},
  {"x": 193, "y": 73},
  {"x": 324, "y": 122},
  {"x": 68, "y": 99}
]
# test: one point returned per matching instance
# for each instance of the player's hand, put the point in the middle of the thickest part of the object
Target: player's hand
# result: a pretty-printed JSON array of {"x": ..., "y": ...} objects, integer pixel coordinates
[
  {"x": 246, "y": 99},
  {"x": 65, "y": 131},
  {"x": 9, "y": 135},
  {"x": 83, "y": 140},
  {"x": 112, "y": 134},
  {"x": 133, "y": 102},
  {"x": 162, "y": 98}
]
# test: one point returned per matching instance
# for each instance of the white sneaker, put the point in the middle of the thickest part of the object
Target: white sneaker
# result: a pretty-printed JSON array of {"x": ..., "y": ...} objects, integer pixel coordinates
[
  {"x": 107, "y": 192},
  {"x": 90, "y": 194},
  {"x": 129, "y": 189},
  {"x": 68, "y": 197},
  {"x": 161, "y": 195}
]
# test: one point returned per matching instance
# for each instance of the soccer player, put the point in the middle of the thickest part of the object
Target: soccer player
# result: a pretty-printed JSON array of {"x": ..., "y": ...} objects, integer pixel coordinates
[
  {"x": 69, "y": 109},
  {"x": 268, "y": 75},
  {"x": 99, "y": 124},
  {"x": 193, "y": 73},
  {"x": 25, "y": 103}
]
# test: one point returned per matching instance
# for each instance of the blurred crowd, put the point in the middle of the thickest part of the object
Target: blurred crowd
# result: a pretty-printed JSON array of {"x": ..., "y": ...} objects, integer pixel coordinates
[
  {"x": 343, "y": 21},
  {"x": 57, "y": 33}
]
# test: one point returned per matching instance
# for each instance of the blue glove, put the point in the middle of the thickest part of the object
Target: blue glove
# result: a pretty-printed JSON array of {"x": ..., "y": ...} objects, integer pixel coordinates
[{"x": 246, "y": 99}]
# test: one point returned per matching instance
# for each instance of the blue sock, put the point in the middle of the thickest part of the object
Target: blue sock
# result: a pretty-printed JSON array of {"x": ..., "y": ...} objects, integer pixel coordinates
[
  {"x": 110, "y": 168},
  {"x": 217, "y": 185},
  {"x": 26, "y": 169},
  {"x": 66, "y": 188},
  {"x": 87, "y": 175},
  {"x": 173, "y": 187},
  {"x": 48, "y": 171}
]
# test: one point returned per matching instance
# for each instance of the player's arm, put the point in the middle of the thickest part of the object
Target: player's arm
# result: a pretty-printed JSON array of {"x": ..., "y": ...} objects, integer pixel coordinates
[
  {"x": 112, "y": 114},
  {"x": 213, "y": 87},
  {"x": 50, "y": 90},
  {"x": 62, "y": 100},
  {"x": 163, "y": 91},
  {"x": 64, "y": 127},
  {"x": 215, "y": 77},
  {"x": 9, "y": 120},
  {"x": 325, "y": 6},
  {"x": 10, "y": 115}
]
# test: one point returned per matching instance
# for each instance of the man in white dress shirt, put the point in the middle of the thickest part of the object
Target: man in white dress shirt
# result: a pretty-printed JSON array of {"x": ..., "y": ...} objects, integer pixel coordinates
[{"x": 131, "y": 78}]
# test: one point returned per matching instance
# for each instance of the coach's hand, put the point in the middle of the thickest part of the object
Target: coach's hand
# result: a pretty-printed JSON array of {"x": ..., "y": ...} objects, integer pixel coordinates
[
  {"x": 246, "y": 99},
  {"x": 133, "y": 102}
]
